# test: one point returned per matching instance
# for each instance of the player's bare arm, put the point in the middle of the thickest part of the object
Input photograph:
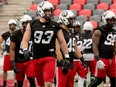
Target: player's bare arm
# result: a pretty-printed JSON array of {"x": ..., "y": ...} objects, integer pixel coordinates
[
  {"x": 62, "y": 42},
  {"x": 26, "y": 37},
  {"x": 1, "y": 40},
  {"x": 12, "y": 50},
  {"x": 77, "y": 51},
  {"x": 58, "y": 52},
  {"x": 96, "y": 38}
]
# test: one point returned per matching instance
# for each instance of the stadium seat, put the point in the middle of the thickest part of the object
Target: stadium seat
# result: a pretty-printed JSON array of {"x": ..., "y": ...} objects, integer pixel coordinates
[
  {"x": 75, "y": 7},
  {"x": 98, "y": 12},
  {"x": 1, "y": 2},
  {"x": 82, "y": 2},
  {"x": 31, "y": 13},
  {"x": 33, "y": 7},
  {"x": 85, "y": 12},
  {"x": 96, "y": 18},
  {"x": 114, "y": 10},
  {"x": 94, "y": 23},
  {"x": 54, "y": 2},
  {"x": 62, "y": 6},
  {"x": 37, "y": 1},
  {"x": 113, "y": 6},
  {"x": 55, "y": 18},
  {"x": 74, "y": 11},
  {"x": 57, "y": 12},
  {"x": 114, "y": 1},
  {"x": 68, "y": 2},
  {"x": 103, "y": 6},
  {"x": 82, "y": 18},
  {"x": 106, "y": 1},
  {"x": 93, "y": 1},
  {"x": 89, "y": 6}
]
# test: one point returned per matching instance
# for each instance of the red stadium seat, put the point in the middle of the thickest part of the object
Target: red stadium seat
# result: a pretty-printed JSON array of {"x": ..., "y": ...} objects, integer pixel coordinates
[
  {"x": 33, "y": 7},
  {"x": 94, "y": 23},
  {"x": 113, "y": 6},
  {"x": 114, "y": 1},
  {"x": 114, "y": 10},
  {"x": 75, "y": 6},
  {"x": 85, "y": 12},
  {"x": 57, "y": 12},
  {"x": 1, "y": 2},
  {"x": 80, "y": 1},
  {"x": 103, "y": 6},
  {"x": 54, "y": 2}
]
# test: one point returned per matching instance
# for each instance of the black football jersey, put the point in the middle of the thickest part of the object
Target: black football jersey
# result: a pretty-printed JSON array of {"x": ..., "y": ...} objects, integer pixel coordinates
[
  {"x": 44, "y": 36},
  {"x": 87, "y": 42},
  {"x": 6, "y": 37},
  {"x": 106, "y": 43},
  {"x": 16, "y": 37},
  {"x": 70, "y": 40},
  {"x": 79, "y": 39}
]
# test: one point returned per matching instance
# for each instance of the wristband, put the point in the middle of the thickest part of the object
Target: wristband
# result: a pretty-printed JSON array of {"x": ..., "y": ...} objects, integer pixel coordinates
[
  {"x": 66, "y": 55},
  {"x": 24, "y": 49},
  {"x": 97, "y": 57}
]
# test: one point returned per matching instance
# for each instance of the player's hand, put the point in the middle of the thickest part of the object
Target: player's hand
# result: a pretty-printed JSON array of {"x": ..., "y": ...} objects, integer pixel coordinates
[
  {"x": 15, "y": 69},
  {"x": 100, "y": 64},
  {"x": 65, "y": 64},
  {"x": 27, "y": 54}
]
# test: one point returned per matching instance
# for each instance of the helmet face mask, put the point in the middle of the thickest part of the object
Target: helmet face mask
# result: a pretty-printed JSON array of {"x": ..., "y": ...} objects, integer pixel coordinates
[
  {"x": 24, "y": 20},
  {"x": 67, "y": 17},
  {"x": 109, "y": 18},
  {"x": 12, "y": 24},
  {"x": 44, "y": 8}
]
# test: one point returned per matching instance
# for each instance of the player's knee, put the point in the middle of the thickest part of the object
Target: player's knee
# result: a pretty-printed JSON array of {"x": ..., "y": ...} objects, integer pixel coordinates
[{"x": 48, "y": 84}]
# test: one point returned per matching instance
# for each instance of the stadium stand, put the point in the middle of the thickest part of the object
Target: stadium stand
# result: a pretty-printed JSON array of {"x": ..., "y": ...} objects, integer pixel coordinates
[
  {"x": 103, "y": 6},
  {"x": 93, "y": 1},
  {"x": 85, "y": 12},
  {"x": 106, "y": 1},
  {"x": 98, "y": 12},
  {"x": 68, "y": 2},
  {"x": 89, "y": 6},
  {"x": 62, "y": 6},
  {"x": 33, "y": 7},
  {"x": 54, "y": 2},
  {"x": 75, "y": 6},
  {"x": 80, "y": 1}
]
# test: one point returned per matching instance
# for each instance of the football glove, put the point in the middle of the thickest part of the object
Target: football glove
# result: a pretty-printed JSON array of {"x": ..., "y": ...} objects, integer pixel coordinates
[
  {"x": 100, "y": 64},
  {"x": 27, "y": 54},
  {"x": 65, "y": 64},
  {"x": 15, "y": 69}
]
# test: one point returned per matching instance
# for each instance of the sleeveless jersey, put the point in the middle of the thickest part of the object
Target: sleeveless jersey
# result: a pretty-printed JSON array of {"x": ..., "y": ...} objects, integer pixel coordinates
[
  {"x": 106, "y": 43},
  {"x": 87, "y": 42},
  {"x": 70, "y": 40},
  {"x": 44, "y": 36},
  {"x": 16, "y": 37},
  {"x": 6, "y": 37},
  {"x": 79, "y": 39}
]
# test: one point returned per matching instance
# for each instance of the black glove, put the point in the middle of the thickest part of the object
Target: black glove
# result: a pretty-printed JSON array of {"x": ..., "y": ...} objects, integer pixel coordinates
[
  {"x": 65, "y": 64},
  {"x": 27, "y": 54},
  {"x": 15, "y": 69},
  {"x": 83, "y": 62}
]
